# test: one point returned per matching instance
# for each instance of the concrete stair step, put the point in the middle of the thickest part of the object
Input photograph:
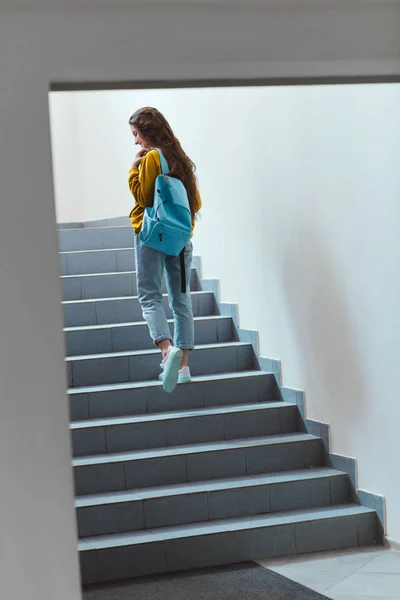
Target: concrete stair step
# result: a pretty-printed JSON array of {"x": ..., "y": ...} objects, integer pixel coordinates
[
  {"x": 135, "y": 398},
  {"x": 109, "y": 285},
  {"x": 140, "y": 432},
  {"x": 97, "y": 238},
  {"x": 144, "y": 365},
  {"x": 180, "y": 504},
  {"x": 219, "y": 471},
  {"x": 226, "y": 541},
  {"x": 111, "y": 260},
  {"x": 118, "y": 337},
  {"x": 196, "y": 462},
  {"x": 102, "y": 311}
]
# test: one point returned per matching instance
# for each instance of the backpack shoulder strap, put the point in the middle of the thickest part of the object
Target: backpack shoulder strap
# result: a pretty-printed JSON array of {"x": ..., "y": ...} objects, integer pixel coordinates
[{"x": 163, "y": 162}]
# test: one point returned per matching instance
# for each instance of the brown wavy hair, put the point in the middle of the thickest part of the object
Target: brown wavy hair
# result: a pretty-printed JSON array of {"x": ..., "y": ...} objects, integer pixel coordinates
[{"x": 157, "y": 132}]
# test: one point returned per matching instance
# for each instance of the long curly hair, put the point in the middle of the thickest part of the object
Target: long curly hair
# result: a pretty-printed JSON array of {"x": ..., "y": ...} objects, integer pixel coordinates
[{"x": 157, "y": 132}]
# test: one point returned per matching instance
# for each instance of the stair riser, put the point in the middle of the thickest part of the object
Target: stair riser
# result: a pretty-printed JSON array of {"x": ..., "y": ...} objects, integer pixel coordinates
[
  {"x": 95, "y": 239},
  {"x": 208, "y": 506},
  {"x": 177, "y": 432},
  {"x": 108, "y": 261},
  {"x": 127, "y": 310},
  {"x": 146, "y": 367},
  {"x": 110, "y": 286},
  {"x": 137, "y": 337},
  {"x": 228, "y": 547},
  {"x": 220, "y": 392},
  {"x": 215, "y": 464}
]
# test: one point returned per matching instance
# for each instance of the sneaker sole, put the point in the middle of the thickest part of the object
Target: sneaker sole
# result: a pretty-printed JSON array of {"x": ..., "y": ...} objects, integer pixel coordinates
[{"x": 171, "y": 371}]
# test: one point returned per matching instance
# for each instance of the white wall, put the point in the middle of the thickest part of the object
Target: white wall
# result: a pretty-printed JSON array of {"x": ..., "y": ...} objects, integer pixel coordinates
[
  {"x": 67, "y": 158},
  {"x": 301, "y": 188},
  {"x": 312, "y": 248},
  {"x": 95, "y": 141},
  {"x": 307, "y": 207},
  {"x": 90, "y": 41}
]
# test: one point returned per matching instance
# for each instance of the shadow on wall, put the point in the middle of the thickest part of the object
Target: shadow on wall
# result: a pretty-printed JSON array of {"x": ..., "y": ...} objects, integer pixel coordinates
[{"x": 322, "y": 325}]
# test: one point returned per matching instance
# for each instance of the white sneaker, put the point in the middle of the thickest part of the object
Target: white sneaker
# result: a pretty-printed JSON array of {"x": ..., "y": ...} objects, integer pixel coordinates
[
  {"x": 184, "y": 376},
  {"x": 170, "y": 366}
]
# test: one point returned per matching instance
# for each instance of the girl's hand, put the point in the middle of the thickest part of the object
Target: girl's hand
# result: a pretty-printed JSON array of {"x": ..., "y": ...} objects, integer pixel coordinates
[{"x": 139, "y": 157}]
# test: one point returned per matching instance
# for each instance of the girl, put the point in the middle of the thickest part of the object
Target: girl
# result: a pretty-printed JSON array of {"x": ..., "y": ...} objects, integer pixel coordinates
[{"x": 152, "y": 131}]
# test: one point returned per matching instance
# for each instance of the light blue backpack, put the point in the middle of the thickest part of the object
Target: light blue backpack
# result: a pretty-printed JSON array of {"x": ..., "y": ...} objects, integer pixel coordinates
[{"x": 167, "y": 225}]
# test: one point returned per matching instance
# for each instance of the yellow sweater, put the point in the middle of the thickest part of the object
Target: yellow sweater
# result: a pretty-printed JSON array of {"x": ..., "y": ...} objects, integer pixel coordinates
[{"x": 141, "y": 184}]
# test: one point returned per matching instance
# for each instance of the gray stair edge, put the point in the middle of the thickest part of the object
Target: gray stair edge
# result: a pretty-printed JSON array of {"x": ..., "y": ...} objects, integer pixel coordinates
[
  {"x": 113, "y": 299},
  {"x": 90, "y": 275},
  {"x": 105, "y": 274},
  {"x": 177, "y": 415},
  {"x": 98, "y": 251},
  {"x": 145, "y": 384},
  {"x": 188, "y": 449},
  {"x": 137, "y": 324},
  {"x": 195, "y": 487},
  {"x": 144, "y": 352},
  {"x": 224, "y": 526}
]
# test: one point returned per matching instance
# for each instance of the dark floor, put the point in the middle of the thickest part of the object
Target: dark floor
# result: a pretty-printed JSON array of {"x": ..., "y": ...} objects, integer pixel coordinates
[{"x": 245, "y": 581}]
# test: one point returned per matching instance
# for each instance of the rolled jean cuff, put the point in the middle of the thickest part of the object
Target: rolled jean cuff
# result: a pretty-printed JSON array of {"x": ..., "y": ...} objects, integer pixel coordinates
[
  {"x": 161, "y": 338},
  {"x": 184, "y": 346}
]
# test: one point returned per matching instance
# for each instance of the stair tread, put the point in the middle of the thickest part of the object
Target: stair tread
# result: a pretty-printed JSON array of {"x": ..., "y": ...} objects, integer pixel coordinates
[
  {"x": 196, "y": 487},
  {"x": 222, "y": 526},
  {"x": 150, "y": 351},
  {"x": 139, "y": 323},
  {"x": 192, "y": 449},
  {"x": 112, "y": 298},
  {"x": 98, "y": 250},
  {"x": 102, "y": 274},
  {"x": 169, "y": 416},
  {"x": 153, "y": 383}
]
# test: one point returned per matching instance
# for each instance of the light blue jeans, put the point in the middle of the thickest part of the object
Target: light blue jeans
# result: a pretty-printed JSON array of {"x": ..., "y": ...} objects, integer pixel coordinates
[{"x": 150, "y": 267}]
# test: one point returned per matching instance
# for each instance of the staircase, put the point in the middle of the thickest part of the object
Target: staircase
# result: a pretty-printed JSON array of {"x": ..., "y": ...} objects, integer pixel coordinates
[{"x": 220, "y": 471}]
